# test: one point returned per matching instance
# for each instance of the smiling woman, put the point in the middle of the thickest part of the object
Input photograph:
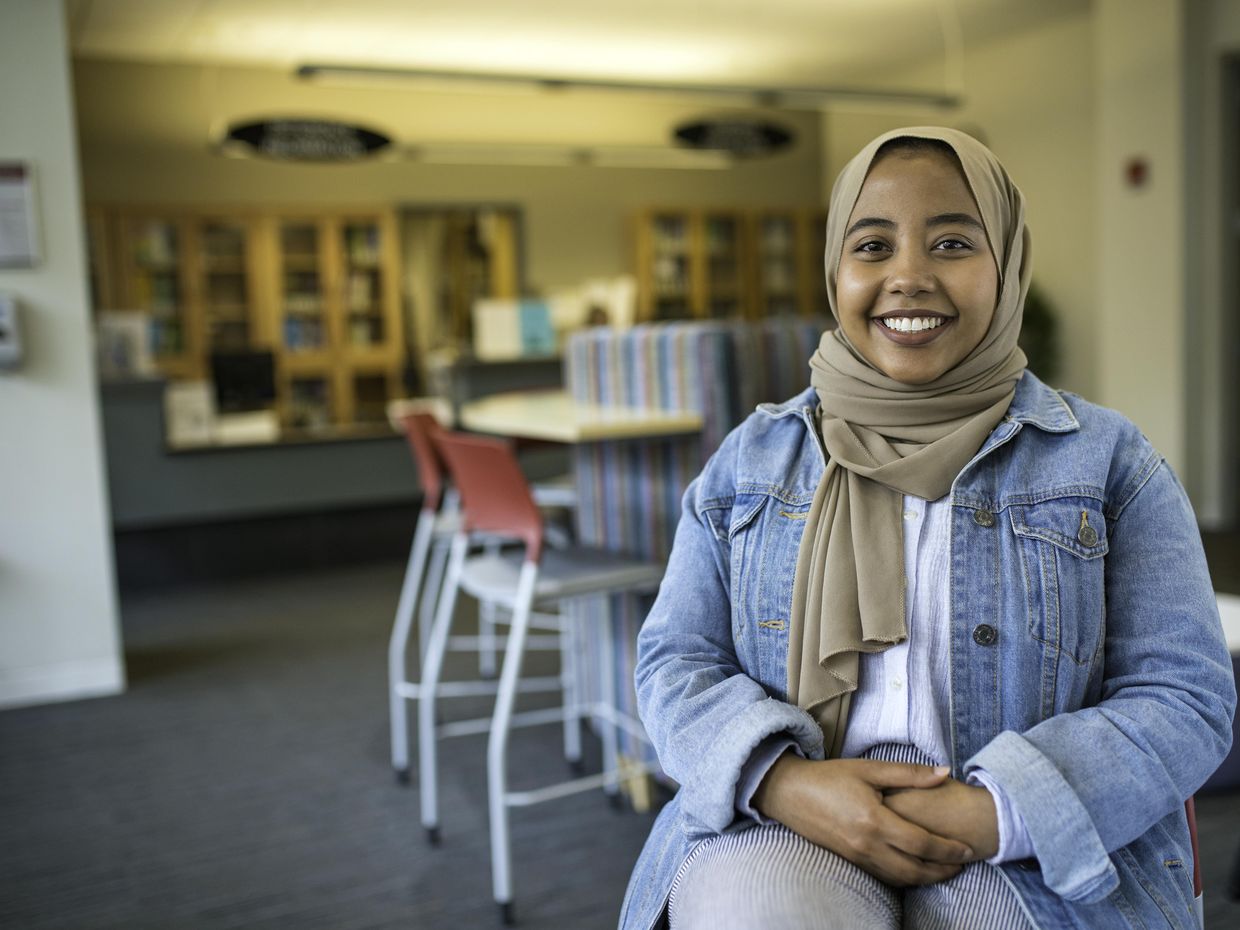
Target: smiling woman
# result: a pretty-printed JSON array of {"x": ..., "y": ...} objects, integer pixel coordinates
[{"x": 937, "y": 645}]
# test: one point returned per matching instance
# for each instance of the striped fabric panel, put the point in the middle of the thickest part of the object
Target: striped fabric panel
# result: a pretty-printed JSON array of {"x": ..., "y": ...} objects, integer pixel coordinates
[{"x": 630, "y": 491}]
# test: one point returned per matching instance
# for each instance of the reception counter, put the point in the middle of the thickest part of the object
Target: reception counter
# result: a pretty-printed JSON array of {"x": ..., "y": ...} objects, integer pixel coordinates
[{"x": 153, "y": 485}]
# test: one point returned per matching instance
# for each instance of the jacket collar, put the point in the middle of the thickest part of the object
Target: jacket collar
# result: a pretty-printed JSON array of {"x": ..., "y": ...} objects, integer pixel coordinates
[
  {"x": 1039, "y": 405},
  {"x": 1034, "y": 403}
]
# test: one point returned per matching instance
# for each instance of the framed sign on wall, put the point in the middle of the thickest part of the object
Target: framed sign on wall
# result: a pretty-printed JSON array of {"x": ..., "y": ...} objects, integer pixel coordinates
[{"x": 19, "y": 230}]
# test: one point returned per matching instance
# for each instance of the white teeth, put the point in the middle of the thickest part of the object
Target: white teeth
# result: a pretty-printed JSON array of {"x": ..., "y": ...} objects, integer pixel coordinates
[{"x": 906, "y": 324}]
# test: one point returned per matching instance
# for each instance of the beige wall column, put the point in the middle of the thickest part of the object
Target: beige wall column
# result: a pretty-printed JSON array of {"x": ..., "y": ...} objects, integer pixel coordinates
[
  {"x": 1139, "y": 247},
  {"x": 59, "y": 635},
  {"x": 1212, "y": 116},
  {"x": 1030, "y": 96}
]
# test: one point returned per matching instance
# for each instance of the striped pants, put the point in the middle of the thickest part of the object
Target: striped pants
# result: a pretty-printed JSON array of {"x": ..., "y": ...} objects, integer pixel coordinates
[{"x": 769, "y": 877}]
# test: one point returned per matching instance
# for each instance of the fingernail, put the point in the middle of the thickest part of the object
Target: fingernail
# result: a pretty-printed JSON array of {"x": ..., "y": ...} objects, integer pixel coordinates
[
  {"x": 941, "y": 770},
  {"x": 969, "y": 854}
]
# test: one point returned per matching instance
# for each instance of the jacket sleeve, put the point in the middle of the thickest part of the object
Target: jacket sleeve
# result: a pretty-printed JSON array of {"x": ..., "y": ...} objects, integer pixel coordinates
[
  {"x": 1090, "y": 782},
  {"x": 704, "y": 714}
]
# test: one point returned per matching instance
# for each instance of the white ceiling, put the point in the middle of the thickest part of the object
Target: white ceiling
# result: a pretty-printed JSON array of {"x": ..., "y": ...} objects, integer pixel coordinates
[{"x": 850, "y": 43}]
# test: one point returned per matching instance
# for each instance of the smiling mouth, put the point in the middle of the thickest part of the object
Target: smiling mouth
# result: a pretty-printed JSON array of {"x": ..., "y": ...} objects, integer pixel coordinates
[
  {"x": 914, "y": 324},
  {"x": 913, "y": 328}
]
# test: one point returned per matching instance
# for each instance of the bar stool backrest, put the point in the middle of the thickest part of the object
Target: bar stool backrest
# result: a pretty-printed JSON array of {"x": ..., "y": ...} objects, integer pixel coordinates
[
  {"x": 419, "y": 428},
  {"x": 494, "y": 493}
]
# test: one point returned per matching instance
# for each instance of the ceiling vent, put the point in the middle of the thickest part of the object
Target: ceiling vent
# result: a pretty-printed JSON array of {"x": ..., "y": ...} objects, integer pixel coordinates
[
  {"x": 313, "y": 140},
  {"x": 740, "y": 137}
]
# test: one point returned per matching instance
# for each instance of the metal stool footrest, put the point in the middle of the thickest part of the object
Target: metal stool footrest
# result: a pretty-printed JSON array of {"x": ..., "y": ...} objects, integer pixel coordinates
[
  {"x": 412, "y": 690},
  {"x": 527, "y": 718},
  {"x": 575, "y": 786}
]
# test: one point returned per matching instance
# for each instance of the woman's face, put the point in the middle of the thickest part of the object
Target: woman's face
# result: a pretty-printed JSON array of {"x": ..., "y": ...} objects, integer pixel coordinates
[{"x": 917, "y": 282}]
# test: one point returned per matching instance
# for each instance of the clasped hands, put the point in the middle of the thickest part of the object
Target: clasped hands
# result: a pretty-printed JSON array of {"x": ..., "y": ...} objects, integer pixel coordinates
[{"x": 904, "y": 824}]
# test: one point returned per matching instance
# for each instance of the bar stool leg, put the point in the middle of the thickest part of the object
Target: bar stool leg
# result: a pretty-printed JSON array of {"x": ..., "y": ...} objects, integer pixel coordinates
[
  {"x": 486, "y": 629},
  {"x": 398, "y": 644},
  {"x": 432, "y": 589},
  {"x": 570, "y": 679},
  {"x": 432, "y": 667},
  {"x": 607, "y": 689},
  {"x": 497, "y": 742}
]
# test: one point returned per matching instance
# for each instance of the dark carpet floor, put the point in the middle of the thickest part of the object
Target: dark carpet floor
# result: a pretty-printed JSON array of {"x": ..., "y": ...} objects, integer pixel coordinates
[{"x": 243, "y": 782}]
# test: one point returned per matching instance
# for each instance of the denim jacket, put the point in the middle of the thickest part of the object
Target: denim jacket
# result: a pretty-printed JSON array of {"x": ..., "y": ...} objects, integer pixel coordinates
[{"x": 1089, "y": 673}]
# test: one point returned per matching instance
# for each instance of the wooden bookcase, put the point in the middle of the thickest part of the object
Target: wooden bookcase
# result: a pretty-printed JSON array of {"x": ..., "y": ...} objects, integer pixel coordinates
[
  {"x": 721, "y": 263},
  {"x": 319, "y": 289},
  {"x": 336, "y": 315}
]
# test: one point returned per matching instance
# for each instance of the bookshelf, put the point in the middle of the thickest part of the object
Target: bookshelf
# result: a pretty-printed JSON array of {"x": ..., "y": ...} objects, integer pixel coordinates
[
  {"x": 729, "y": 263},
  {"x": 317, "y": 288},
  {"x": 156, "y": 279}
]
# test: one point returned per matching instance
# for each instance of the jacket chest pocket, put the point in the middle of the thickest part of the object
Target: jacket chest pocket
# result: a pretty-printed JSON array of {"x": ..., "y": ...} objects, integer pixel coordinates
[
  {"x": 765, "y": 536},
  {"x": 1062, "y": 544}
]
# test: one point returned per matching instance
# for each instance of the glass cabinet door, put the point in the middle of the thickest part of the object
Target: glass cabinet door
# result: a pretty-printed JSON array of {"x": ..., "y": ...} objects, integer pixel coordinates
[
  {"x": 155, "y": 283},
  {"x": 670, "y": 294},
  {"x": 363, "y": 285},
  {"x": 724, "y": 261},
  {"x": 309, "y": 405},
  {"x": 302, "y": 306},
  {"x": 778, "y": 271},
  {"x": 370, "y": 398},
  {"x": 225, "y": 285}
]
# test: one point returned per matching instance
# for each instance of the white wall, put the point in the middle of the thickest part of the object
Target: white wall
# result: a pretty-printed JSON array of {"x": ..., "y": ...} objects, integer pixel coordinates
[
  {"x": 1212, "y": 280},
  {"x": 1029, "y": 97},
  {"x": 59, "y": 634},
  {"x": 1139, "y": 250}
]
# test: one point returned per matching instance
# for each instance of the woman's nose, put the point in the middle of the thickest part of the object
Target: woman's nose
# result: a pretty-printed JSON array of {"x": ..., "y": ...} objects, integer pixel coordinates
[{"x": 909, "y": 274}]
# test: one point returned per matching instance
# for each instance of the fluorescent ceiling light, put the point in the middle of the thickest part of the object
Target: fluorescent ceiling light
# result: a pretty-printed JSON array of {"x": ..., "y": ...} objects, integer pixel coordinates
[
  {"x": 643, "y": 156},
  {"x": 477, "y": 82},
  {"x": 560, "y": 156},
  {"x": 557, "y": 156}
]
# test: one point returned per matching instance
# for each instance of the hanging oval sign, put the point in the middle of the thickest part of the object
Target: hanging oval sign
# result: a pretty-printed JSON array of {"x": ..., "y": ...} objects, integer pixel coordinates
[
  {"x": 304, "y": 140},
  {"x": 738, "y": 136}
]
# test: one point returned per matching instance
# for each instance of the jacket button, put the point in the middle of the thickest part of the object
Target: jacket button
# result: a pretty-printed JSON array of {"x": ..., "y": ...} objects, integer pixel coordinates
[
  {"x": 1088, "y": 536},
  {"x": 983, "y": 518},
  {"x": 985, "y": 635}
]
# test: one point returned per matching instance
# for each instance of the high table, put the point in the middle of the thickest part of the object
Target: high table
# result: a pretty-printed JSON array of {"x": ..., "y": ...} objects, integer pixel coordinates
[{"x": 554, "y": 416}]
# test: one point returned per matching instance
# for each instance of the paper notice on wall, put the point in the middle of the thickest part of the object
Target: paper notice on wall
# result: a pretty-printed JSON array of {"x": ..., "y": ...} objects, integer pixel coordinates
[{"x": 19, "y": 239}]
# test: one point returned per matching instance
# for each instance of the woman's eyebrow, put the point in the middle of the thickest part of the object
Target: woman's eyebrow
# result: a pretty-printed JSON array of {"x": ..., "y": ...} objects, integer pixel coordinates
[
  {"x": 955, "y": 219},
  {"x": 869, "y": 221}
]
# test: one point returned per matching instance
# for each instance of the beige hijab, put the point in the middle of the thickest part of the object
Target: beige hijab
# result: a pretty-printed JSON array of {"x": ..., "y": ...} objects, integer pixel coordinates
[{"x": 885, "y": 439}]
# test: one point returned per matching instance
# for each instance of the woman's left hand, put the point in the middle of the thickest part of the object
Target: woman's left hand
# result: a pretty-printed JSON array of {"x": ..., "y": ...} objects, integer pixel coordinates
[{"x": 952, "y": 809}]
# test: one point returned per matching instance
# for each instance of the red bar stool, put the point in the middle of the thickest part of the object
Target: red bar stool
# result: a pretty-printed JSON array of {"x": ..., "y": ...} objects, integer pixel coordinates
[
  {"x": 435, "y": 528},
  {"x": 438, "y": 522},
  {"x": 496, "y": 499}
]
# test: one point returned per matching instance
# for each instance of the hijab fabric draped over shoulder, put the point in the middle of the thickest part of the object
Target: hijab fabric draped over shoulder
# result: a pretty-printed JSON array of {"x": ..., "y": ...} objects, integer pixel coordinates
[{"x": 885, "y": 439}]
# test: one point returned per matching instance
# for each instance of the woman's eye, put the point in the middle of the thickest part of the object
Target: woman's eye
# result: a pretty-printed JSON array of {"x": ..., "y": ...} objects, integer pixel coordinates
[
  {"x": 872, "y": 247},
  {"x": 952, "y": 245}
]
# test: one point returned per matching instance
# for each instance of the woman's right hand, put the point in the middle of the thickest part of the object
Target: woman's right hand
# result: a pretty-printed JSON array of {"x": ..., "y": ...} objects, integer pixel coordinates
[{"x": 838, "y": 804}]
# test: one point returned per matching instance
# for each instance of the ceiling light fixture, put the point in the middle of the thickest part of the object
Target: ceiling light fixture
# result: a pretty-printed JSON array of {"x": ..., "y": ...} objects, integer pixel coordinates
[
  {"x": 564, "y": 156},
  {"x": 738, "y": 135},
  {"x": 792, "y": 98},
  {"x": 302, "y": 139}
]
